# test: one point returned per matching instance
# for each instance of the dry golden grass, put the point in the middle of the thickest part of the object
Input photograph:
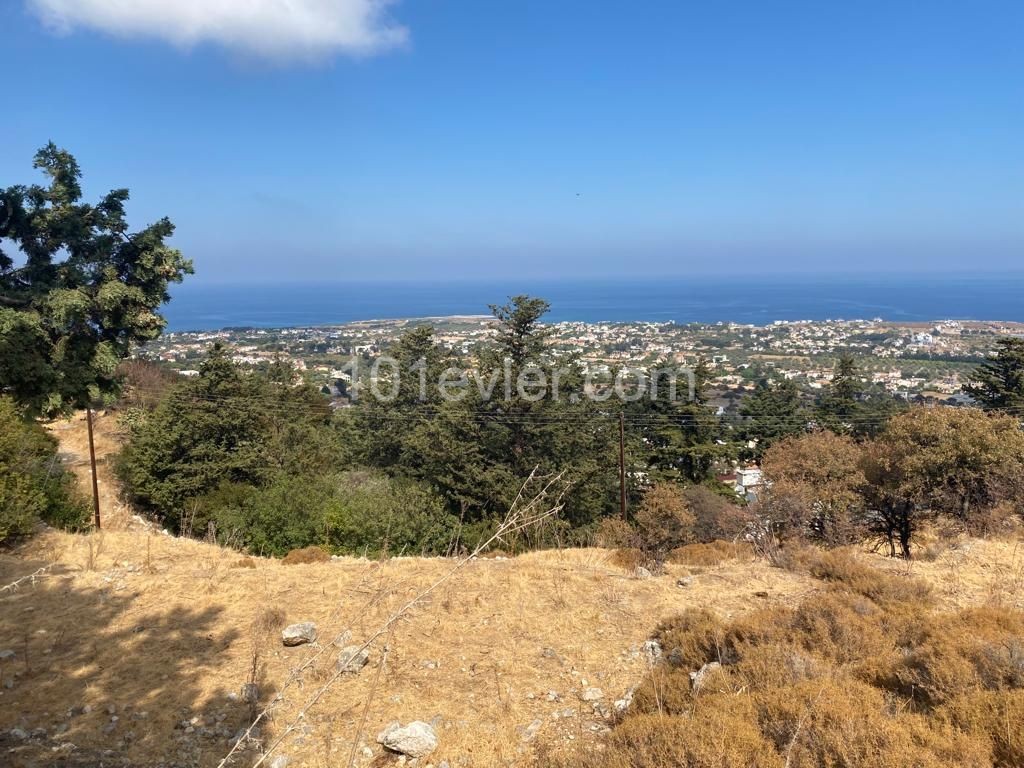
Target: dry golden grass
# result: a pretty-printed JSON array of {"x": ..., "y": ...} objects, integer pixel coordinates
[
  {"x": 73, "y": 438},
  {"x": 871, "y": 669},
  {"x": 306, "y": 555},
  {"x": 711, "y": 553},
  {"x": 175, "y": 637}
]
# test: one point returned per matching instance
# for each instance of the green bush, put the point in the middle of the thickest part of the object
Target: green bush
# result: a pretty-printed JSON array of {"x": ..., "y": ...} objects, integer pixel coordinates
[
  {"x": 33, "y": 484},
  {"x": 353, "y": 513},
  {"x": 375, "y": 514}
]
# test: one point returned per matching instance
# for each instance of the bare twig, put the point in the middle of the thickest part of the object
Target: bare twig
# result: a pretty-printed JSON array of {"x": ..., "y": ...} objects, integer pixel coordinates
[{"x": 37, "y": 574}]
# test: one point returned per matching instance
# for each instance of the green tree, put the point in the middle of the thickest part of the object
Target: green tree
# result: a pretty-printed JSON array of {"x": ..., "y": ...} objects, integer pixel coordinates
[
  {"x": 683, "y": 437},
  {"x": 839, "y": 407},
  {"x": 771, "y": 413},
  {"x": 998, "y": 384},
  {"x": 82, "y": 293},
  {"x": 224, "y": 426},
  {"x": 478, "y": 444}
]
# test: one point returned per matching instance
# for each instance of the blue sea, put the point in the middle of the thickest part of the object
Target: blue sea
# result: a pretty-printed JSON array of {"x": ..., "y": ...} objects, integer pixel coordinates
[{"x": 759, "y": 300}]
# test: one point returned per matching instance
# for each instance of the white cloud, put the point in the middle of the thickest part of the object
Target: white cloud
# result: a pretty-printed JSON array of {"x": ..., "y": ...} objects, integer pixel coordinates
[{"x": 275, "y": 29}]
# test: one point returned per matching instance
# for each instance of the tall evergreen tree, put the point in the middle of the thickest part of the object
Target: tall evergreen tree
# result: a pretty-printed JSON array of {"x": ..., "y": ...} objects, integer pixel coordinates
[
  {"x": 772, "y": 412},
  {"x": 684, "y": 436},
  {"x": 839, "y": 407},
  {"x": 998, "y": 383}
]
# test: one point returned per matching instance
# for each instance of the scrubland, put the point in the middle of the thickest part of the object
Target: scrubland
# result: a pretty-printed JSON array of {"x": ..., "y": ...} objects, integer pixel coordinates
[{"x": 134, "y": 647}]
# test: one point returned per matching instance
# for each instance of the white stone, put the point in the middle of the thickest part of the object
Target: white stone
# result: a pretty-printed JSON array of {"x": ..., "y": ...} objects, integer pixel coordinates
[
  {"x": 299, "y": 634},
  {"x": 417, "y": 739}
]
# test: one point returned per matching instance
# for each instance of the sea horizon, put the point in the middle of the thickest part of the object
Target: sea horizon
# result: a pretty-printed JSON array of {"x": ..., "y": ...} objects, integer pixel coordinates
[{"x": 745, "y": 299}]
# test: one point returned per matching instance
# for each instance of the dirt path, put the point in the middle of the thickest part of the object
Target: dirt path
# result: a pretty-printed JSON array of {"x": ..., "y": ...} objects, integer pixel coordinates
[{"x": 73, "y": 439}]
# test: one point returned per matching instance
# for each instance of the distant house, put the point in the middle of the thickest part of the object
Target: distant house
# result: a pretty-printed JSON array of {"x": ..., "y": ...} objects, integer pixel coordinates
[{"x": 745, "y": 481}]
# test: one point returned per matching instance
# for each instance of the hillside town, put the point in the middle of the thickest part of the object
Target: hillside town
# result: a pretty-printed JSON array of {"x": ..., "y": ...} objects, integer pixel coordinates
[{"x": 915, "y": 361}]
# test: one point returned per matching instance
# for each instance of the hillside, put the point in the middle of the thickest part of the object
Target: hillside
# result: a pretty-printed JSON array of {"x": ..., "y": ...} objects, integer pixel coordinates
[{"x": 133, "y": 647}]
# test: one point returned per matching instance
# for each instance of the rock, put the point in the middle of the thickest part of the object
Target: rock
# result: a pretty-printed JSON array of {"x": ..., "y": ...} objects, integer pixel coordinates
[
  {"x": 352, "y": 659},
  {"x": 392, "y": 726},
  {"x": 686, "y": 581},
  {"x": 592, "y": 694},
  {"x": 652, "y": 651},
  {"x": 417, "y": 739},
  {"x": 18, "y": 734},
  {"x": 553, "y": 696},
  {"x": 529, "y": 733},
  {"x": 642, "y": 573},
  {"x": 281, "y": 761},
  {"x": 698, "y": 678},
  {"x": 299, "y": 634}
]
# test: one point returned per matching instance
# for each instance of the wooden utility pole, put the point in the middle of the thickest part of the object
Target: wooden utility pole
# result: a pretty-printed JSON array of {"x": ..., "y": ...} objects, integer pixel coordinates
[
  {"x": 92, "y": 463},
  {"x": 622, "y": 464}
]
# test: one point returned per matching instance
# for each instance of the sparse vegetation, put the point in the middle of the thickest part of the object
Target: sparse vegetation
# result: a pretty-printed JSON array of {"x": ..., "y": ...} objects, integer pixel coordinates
[{"x": 870, "y": 671}]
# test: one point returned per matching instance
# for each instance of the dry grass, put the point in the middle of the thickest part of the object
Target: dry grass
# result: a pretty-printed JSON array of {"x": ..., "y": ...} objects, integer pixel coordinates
[
  {"x": 306, "y": 555},
  {"x": 711, "y": 553},
  {"x": 872, "y": 669},
  {"x": 176, "y": 638},
  {"x": 73, "y": 440}
]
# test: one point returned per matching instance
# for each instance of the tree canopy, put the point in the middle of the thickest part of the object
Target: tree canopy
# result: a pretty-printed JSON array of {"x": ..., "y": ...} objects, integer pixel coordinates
[
  {"x": 81, "y": 289},
  {"x": 999, "y": 382}
]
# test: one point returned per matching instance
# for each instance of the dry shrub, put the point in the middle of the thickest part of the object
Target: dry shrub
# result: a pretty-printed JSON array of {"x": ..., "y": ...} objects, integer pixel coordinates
[
  {"x": 628, "y": 558},
  {"x": 614, "y": 533},
  {"x": 692, "y": 639},
  {"x": 710, "y": 553},
  {"x": 842, "y": 567},
  {"x": 977, "y": 649},
  {"x": 865, "y": 672},
  {"x": 839, "y": 721},
  {"x": 306, "y": 555},
  {"x": 268, "y": 620},
  {"x": 715, "y": 517},
  {"x": 1000, "y": 519},
  {"x": 663, "y": 522},
  {"x": 720, "y": 735},
  {"x": 997, "y": 714}
]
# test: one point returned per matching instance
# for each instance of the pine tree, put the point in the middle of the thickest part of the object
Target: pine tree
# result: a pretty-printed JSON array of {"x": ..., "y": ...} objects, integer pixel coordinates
[
  {"x": 771, "y": 413},
  {"x": 998, "y": 383}
]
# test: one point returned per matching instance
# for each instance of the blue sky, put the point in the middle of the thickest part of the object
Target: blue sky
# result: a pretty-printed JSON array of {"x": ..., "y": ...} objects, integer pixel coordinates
[{"x": 436, "y": 138}]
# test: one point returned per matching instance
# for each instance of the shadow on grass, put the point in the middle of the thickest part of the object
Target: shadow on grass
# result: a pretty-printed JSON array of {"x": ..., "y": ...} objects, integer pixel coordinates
[{"x": 92, "y": 680}]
